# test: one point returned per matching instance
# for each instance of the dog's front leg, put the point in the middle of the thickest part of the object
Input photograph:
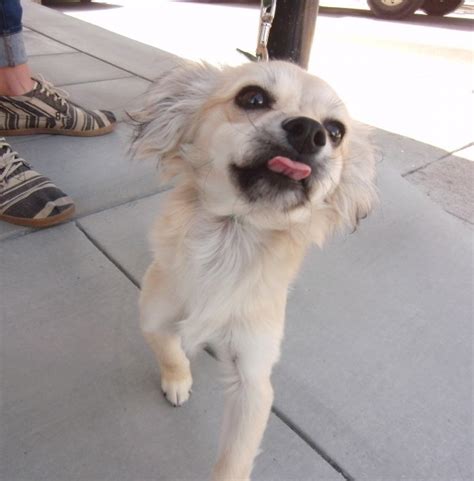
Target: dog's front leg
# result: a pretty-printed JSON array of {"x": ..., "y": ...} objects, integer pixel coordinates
[
  {"x": 159, "y": 312},
  {"x": 248, "y": 401}
]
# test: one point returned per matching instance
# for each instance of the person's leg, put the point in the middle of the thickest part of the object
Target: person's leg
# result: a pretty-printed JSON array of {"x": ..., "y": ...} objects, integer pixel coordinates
[
  {"x": 26, "y": 197},
  {"x": 16, "y": 80},
  {"x": 15, "y": 74},
  {"x": 29, "y": 104}
]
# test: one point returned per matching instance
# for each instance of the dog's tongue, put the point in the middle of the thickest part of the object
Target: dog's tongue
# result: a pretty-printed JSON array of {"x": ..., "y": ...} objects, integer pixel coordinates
[{"x": 292, "y": 169}]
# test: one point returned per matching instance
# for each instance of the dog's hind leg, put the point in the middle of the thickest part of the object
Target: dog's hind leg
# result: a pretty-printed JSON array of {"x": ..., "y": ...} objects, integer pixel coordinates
[
  {"x": 159, "y": 312},
  {"x": 248, "y": 401}
]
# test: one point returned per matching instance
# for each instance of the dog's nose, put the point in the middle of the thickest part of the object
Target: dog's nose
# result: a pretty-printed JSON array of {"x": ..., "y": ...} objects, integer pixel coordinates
[{"x": 306, "y": 135}]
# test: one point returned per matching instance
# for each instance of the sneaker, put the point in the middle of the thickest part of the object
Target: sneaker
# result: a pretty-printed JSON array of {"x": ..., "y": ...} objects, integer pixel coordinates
[
  {"x": 26, "y": 197},
  {"x": 48, "y": 110}
]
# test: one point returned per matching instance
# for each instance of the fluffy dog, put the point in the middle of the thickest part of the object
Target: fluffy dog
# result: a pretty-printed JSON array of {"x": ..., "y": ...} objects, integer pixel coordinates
[{"x": 265, "y": 161}]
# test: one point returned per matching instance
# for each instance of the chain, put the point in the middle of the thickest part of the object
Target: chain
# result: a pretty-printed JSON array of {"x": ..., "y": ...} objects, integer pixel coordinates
[{"x": 267, "y": 13}]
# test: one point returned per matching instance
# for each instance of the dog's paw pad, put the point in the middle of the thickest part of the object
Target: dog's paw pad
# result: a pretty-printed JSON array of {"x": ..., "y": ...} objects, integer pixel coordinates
[{"x": 176, "y": 391}]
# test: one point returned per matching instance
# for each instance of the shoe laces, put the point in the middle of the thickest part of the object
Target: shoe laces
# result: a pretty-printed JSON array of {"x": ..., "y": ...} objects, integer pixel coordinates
[
  {"x": 10, "y": 162},
  {"x": 47, "y": 88}
]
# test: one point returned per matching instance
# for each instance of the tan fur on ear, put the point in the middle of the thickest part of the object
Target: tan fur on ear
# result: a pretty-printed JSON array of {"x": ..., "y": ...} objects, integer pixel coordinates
[
  {"x": 356, "y": 192},
  {"x": 172, "y": 104}
]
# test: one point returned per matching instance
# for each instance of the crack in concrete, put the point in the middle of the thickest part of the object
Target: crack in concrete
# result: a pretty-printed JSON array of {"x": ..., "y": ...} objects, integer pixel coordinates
[
  {"x": 85, "y": 53},
  {"x": 312, "y": 444},
  {"x": 445, "y": 156},
  {"x": 104, "y": 252}
]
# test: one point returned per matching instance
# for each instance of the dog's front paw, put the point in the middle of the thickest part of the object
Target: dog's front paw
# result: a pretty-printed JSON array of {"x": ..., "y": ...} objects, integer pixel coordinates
[
  {"x": 176, "y": 388},
  {"x": 222, "y": 472}
]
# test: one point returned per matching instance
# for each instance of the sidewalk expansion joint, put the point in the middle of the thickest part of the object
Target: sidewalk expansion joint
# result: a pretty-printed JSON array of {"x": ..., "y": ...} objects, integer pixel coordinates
[
  {"x": 296, "y": 430},
  {"x": 313, "y": 445},
  {"x": 125, "y": 202},
  {"x": 67, "y": 84},
  {"x": 94, "y": 81},
  {"x": 16, "y": 234},
  {"x": 111, "y": 259},
  {"x": 467, "y": 221},
  {"x": 30, "y": 230},
  {"x": 49, "y": 54},
  {"x": 445, "y": 156},
  {"x": 87, "y": 53}
]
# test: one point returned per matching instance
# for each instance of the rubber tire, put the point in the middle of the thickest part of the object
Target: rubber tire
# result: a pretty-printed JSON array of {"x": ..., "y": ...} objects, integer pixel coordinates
[
  {"x": 405, "y": 9},
  {"x": 439, "y": 8}
]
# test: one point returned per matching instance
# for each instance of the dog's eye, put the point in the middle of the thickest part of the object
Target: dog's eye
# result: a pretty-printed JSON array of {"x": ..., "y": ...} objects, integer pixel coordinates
[
  {"x": 336, "y": 131},
  {"x": 253, "y": 98}
]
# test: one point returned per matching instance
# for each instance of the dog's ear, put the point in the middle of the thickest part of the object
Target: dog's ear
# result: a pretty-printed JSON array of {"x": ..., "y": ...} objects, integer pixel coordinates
[
  {"x": 356, "y": 193},
  {"x": 171, "y": 107}
]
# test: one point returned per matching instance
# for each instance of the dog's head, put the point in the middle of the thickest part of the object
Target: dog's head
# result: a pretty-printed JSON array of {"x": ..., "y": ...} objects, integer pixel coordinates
[{"x": 266, "y": 142}]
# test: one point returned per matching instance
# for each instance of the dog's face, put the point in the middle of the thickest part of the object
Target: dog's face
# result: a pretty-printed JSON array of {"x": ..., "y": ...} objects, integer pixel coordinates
[{"x": 264, "y": 141}]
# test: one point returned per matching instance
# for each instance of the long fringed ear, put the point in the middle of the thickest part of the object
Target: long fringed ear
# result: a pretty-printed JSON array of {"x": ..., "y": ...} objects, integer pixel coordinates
[
  {"x": 356, "y": 194},
  {"x": 170, "y": 110}
]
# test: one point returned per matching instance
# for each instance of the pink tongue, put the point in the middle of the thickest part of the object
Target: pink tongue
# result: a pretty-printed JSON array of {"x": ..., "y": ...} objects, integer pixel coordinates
[{"x": 290, "y": 168}]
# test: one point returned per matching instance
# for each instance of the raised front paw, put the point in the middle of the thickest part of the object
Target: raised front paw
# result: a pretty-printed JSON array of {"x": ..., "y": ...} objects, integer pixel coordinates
[{"x": 176, "y": 387}]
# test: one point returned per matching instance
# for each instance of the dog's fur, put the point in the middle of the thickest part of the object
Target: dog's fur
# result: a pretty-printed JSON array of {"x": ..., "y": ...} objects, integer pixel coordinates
[{"x": 233, "y": 233}]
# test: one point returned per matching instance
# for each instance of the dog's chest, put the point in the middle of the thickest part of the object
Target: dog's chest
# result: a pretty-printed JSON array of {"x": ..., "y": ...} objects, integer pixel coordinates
[
  {"x": 229, "y": 275},
  {"x": 232, "y": 269},
  {"x": 224, "y": 259}
]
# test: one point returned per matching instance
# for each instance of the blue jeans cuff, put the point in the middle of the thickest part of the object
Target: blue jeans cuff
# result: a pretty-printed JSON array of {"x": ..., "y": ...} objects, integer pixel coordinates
[{"x": 12, "y": 50}]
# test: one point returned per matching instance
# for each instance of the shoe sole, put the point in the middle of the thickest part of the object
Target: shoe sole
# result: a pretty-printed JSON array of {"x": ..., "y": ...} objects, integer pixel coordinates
[
  {"x": 47, "y": 222},
  {"x": 73, "y": 133}
]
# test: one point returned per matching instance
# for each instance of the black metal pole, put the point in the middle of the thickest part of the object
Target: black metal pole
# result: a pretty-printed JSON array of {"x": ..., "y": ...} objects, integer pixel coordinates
[{"x": 292, "y": 31}]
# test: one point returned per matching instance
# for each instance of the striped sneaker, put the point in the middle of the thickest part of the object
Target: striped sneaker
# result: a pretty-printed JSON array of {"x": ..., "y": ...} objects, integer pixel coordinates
[
  {"x": 26, "y": 197},
  {"x": 48, "y": 110}
]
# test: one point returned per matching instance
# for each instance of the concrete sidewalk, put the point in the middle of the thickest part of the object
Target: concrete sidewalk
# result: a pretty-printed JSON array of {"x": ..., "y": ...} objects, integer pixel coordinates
[{"x": 375, "y": 381}]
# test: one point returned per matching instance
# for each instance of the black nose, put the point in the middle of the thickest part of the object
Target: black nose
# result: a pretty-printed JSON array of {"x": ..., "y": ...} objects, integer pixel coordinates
[{"x": 306, "y": 135}]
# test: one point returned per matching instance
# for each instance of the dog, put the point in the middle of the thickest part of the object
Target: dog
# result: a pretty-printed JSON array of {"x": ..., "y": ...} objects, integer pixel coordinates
[{"x": 265, "y": 161}]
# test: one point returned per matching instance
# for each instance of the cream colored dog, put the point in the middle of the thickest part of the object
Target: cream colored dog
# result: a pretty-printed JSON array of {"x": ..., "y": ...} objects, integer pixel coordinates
[{"x": 265, "y": 161}]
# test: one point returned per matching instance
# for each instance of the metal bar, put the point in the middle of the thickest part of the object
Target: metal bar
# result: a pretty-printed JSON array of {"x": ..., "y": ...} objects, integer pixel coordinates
[{"x": 292, "y": 31}]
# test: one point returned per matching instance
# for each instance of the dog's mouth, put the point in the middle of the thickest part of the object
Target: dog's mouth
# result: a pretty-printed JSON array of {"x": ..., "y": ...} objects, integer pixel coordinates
[
  {"x": 277, "y": 176},
  {"x": 291, "y": 168}
]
